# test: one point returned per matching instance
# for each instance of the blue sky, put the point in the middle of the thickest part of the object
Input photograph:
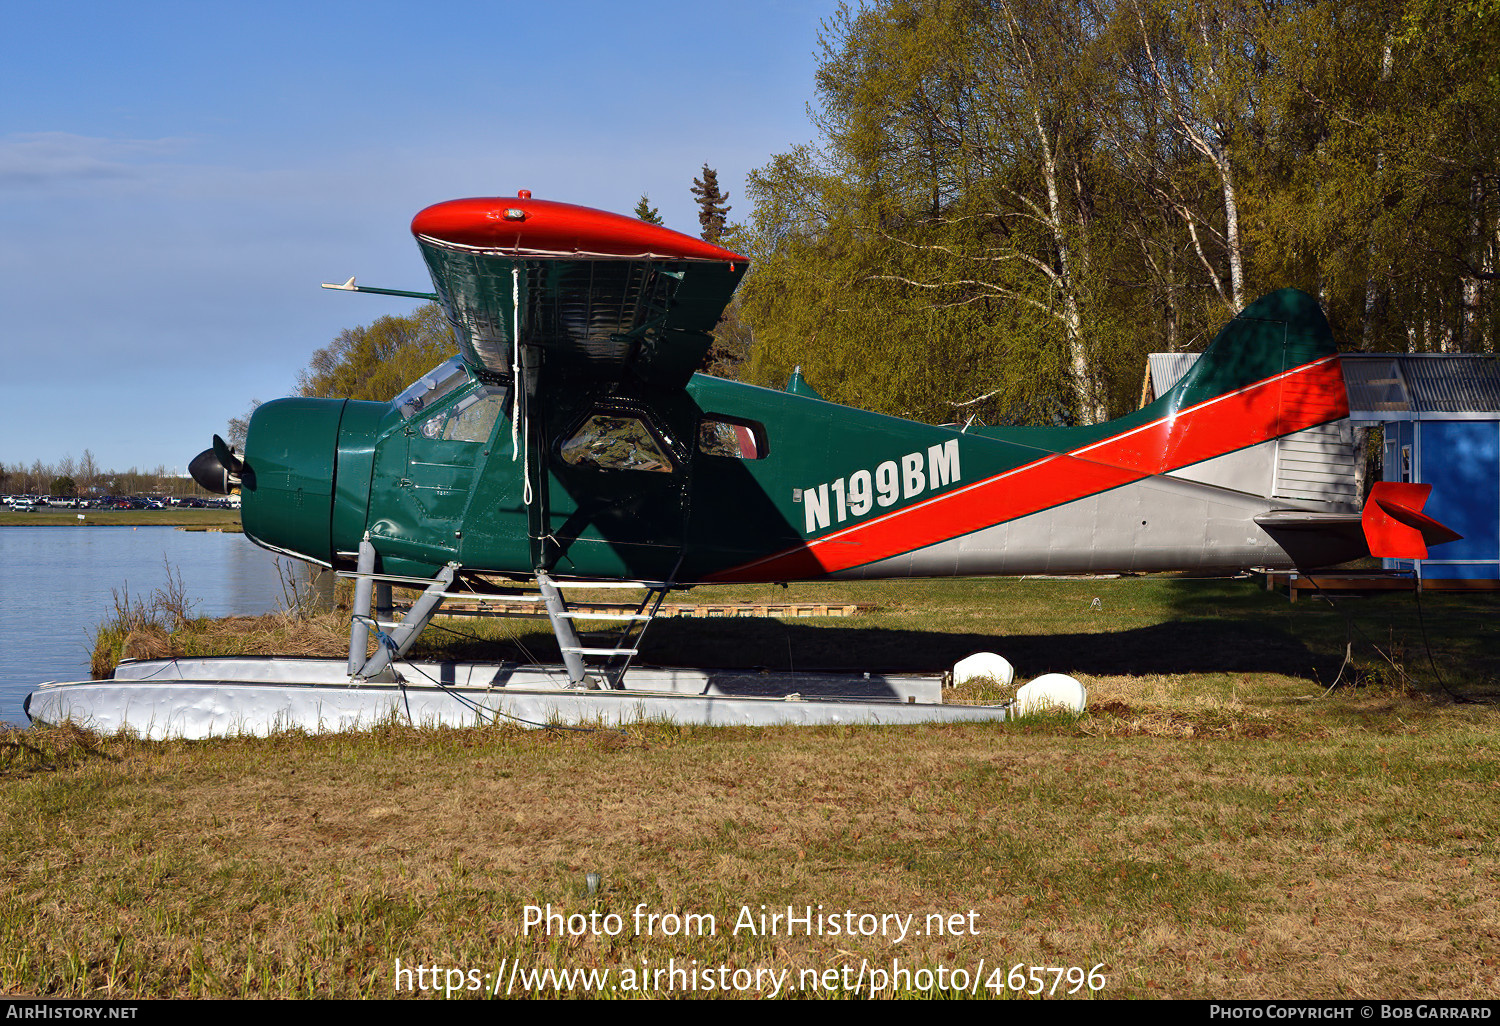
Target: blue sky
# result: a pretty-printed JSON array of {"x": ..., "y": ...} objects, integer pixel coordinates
[{"x": 177, "y": 179}]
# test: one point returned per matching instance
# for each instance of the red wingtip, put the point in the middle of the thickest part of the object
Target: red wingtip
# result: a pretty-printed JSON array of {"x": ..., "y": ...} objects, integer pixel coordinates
[
  {"x": 526, "y": 227},
  {"x": 1395, "y": 526}
]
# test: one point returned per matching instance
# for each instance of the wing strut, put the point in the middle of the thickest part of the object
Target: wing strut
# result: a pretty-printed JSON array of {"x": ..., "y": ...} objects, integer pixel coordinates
[{"x": 520, "y": 390}]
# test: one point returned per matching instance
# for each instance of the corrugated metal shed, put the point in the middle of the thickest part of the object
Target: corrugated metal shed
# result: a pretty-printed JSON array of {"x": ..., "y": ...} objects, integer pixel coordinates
[
  {"x": 1376, "y": 386},
  {"x": 1421, "y": 384},
  {"x": 1166, "y": 369}
]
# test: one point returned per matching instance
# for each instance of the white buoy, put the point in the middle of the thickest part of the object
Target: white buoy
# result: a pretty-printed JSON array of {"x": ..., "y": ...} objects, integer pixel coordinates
[
  {"x": 1052, "y": 691},
  {"x": 983, "y": 664}
]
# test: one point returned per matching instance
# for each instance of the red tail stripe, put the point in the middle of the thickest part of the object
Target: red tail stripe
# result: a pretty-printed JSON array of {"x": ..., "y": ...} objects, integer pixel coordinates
[
  {"x": 1254, "y": 414},
  {"x": 1222, "y": 424}
]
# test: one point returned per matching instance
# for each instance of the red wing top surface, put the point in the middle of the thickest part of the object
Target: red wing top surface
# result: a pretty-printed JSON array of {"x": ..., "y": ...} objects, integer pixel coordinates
[{"x": 520, "y": 226}]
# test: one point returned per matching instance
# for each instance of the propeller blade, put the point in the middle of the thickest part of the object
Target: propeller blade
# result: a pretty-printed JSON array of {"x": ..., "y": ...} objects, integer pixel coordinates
[
  {"x": 218, "y": 469},
  {"x": 232, "y": 463}
]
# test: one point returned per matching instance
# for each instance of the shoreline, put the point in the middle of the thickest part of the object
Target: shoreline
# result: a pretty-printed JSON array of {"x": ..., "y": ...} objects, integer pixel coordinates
[{"x": 192, "y": 520}]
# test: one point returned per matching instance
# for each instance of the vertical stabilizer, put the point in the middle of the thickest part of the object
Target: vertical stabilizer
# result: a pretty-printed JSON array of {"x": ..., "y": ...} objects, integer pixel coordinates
[
  {"x": 1277, "y": 333},
  {"x": 1270, "y": 372}
]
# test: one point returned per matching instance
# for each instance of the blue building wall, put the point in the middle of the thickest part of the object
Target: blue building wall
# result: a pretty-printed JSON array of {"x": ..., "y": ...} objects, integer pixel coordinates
[{"x": 1461, "y": 460}]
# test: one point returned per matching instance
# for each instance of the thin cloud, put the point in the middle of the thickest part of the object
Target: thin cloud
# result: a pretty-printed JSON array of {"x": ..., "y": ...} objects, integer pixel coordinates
[{"x": 40, "y": 160}]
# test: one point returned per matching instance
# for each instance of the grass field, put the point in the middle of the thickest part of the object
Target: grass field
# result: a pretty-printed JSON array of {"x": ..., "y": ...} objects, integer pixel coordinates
[
  {"x": 1222, "y": 822},
  {"x": 193, "y": 519}
]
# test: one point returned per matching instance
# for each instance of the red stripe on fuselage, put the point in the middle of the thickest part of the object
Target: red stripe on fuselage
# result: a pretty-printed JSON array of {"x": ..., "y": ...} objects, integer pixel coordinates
[{"x": 1225, "y": 423}]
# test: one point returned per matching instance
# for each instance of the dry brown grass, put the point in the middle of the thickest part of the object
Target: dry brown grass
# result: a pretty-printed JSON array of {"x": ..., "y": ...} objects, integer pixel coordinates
[
  {"x": 284, "y": 633},
  {"x": 1191, "y": 853},
  {"x": 1239, "y": 833}
]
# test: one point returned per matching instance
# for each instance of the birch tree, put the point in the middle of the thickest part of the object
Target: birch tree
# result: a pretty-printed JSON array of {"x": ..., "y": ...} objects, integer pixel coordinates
[
  {"x": 1186, "y": 106},
  {"x": 1386, "y": 181},
  {"x": 1008, "y": 202},
  {"x": 952, "y": 182}
]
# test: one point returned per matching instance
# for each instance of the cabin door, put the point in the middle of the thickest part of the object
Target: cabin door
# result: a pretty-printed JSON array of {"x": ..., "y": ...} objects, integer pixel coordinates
[{"x": 617, "y": 495}]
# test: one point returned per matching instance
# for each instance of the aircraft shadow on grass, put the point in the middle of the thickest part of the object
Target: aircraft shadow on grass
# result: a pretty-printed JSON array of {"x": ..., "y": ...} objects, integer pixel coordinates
[{"x": 1197, "y": 646}]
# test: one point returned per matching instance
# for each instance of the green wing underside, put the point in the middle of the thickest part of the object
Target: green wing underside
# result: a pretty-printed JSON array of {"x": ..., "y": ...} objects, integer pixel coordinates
[{"x": 593, "y": 321}]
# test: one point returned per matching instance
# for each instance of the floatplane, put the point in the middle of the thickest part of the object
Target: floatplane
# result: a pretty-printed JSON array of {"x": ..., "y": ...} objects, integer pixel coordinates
[{"x": 570, "y": 444}]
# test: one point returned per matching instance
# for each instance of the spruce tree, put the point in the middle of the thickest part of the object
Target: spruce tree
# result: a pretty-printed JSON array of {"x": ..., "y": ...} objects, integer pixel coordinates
[
  {"x": 712, "y": 210},
  {"x": 646, "y": 212}
]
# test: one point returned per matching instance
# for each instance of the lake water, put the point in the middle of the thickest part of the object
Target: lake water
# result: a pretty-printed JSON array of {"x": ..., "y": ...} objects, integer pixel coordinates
[{"x": 57, "y": 583}]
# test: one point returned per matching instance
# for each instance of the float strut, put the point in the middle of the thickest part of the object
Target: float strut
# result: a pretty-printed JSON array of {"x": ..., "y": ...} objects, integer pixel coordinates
[
  {"x": 562, "y": 629},
  {"x": 359, "y": 628},
  {"x": 401, "y": 637}
]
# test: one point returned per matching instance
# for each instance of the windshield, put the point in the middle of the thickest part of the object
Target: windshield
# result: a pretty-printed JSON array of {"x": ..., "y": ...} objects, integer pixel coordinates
[{"x": 431, "y": 387}]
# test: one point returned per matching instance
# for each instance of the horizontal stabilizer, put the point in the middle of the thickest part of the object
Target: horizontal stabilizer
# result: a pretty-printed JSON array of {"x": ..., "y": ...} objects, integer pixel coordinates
[{"x": 1395, "y": 526}]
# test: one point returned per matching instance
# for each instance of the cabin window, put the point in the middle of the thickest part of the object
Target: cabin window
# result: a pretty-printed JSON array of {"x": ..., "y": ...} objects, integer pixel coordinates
[
  {"x": 614, "y": 441},
  {"x": 471, "y": 419},
  {"x": 431, "y": 387},
  {"x": 736, "y": 439}
]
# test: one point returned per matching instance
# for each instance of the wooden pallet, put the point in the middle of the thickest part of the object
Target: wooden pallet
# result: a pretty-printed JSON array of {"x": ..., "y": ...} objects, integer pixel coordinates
[
  {"x": 677, "y": 609},
  {"x": 1366, "y": 582},
  {"x": 766, "y": 609},
  {"x": 1297, "y": 585}
]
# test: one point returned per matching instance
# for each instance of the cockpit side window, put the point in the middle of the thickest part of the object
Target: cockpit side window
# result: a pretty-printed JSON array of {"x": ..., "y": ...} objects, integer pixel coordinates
[
  {"x": 431, "y": 387},
  {"x": 471, "y": 419},
  {"x": 616, "y": 441}
]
